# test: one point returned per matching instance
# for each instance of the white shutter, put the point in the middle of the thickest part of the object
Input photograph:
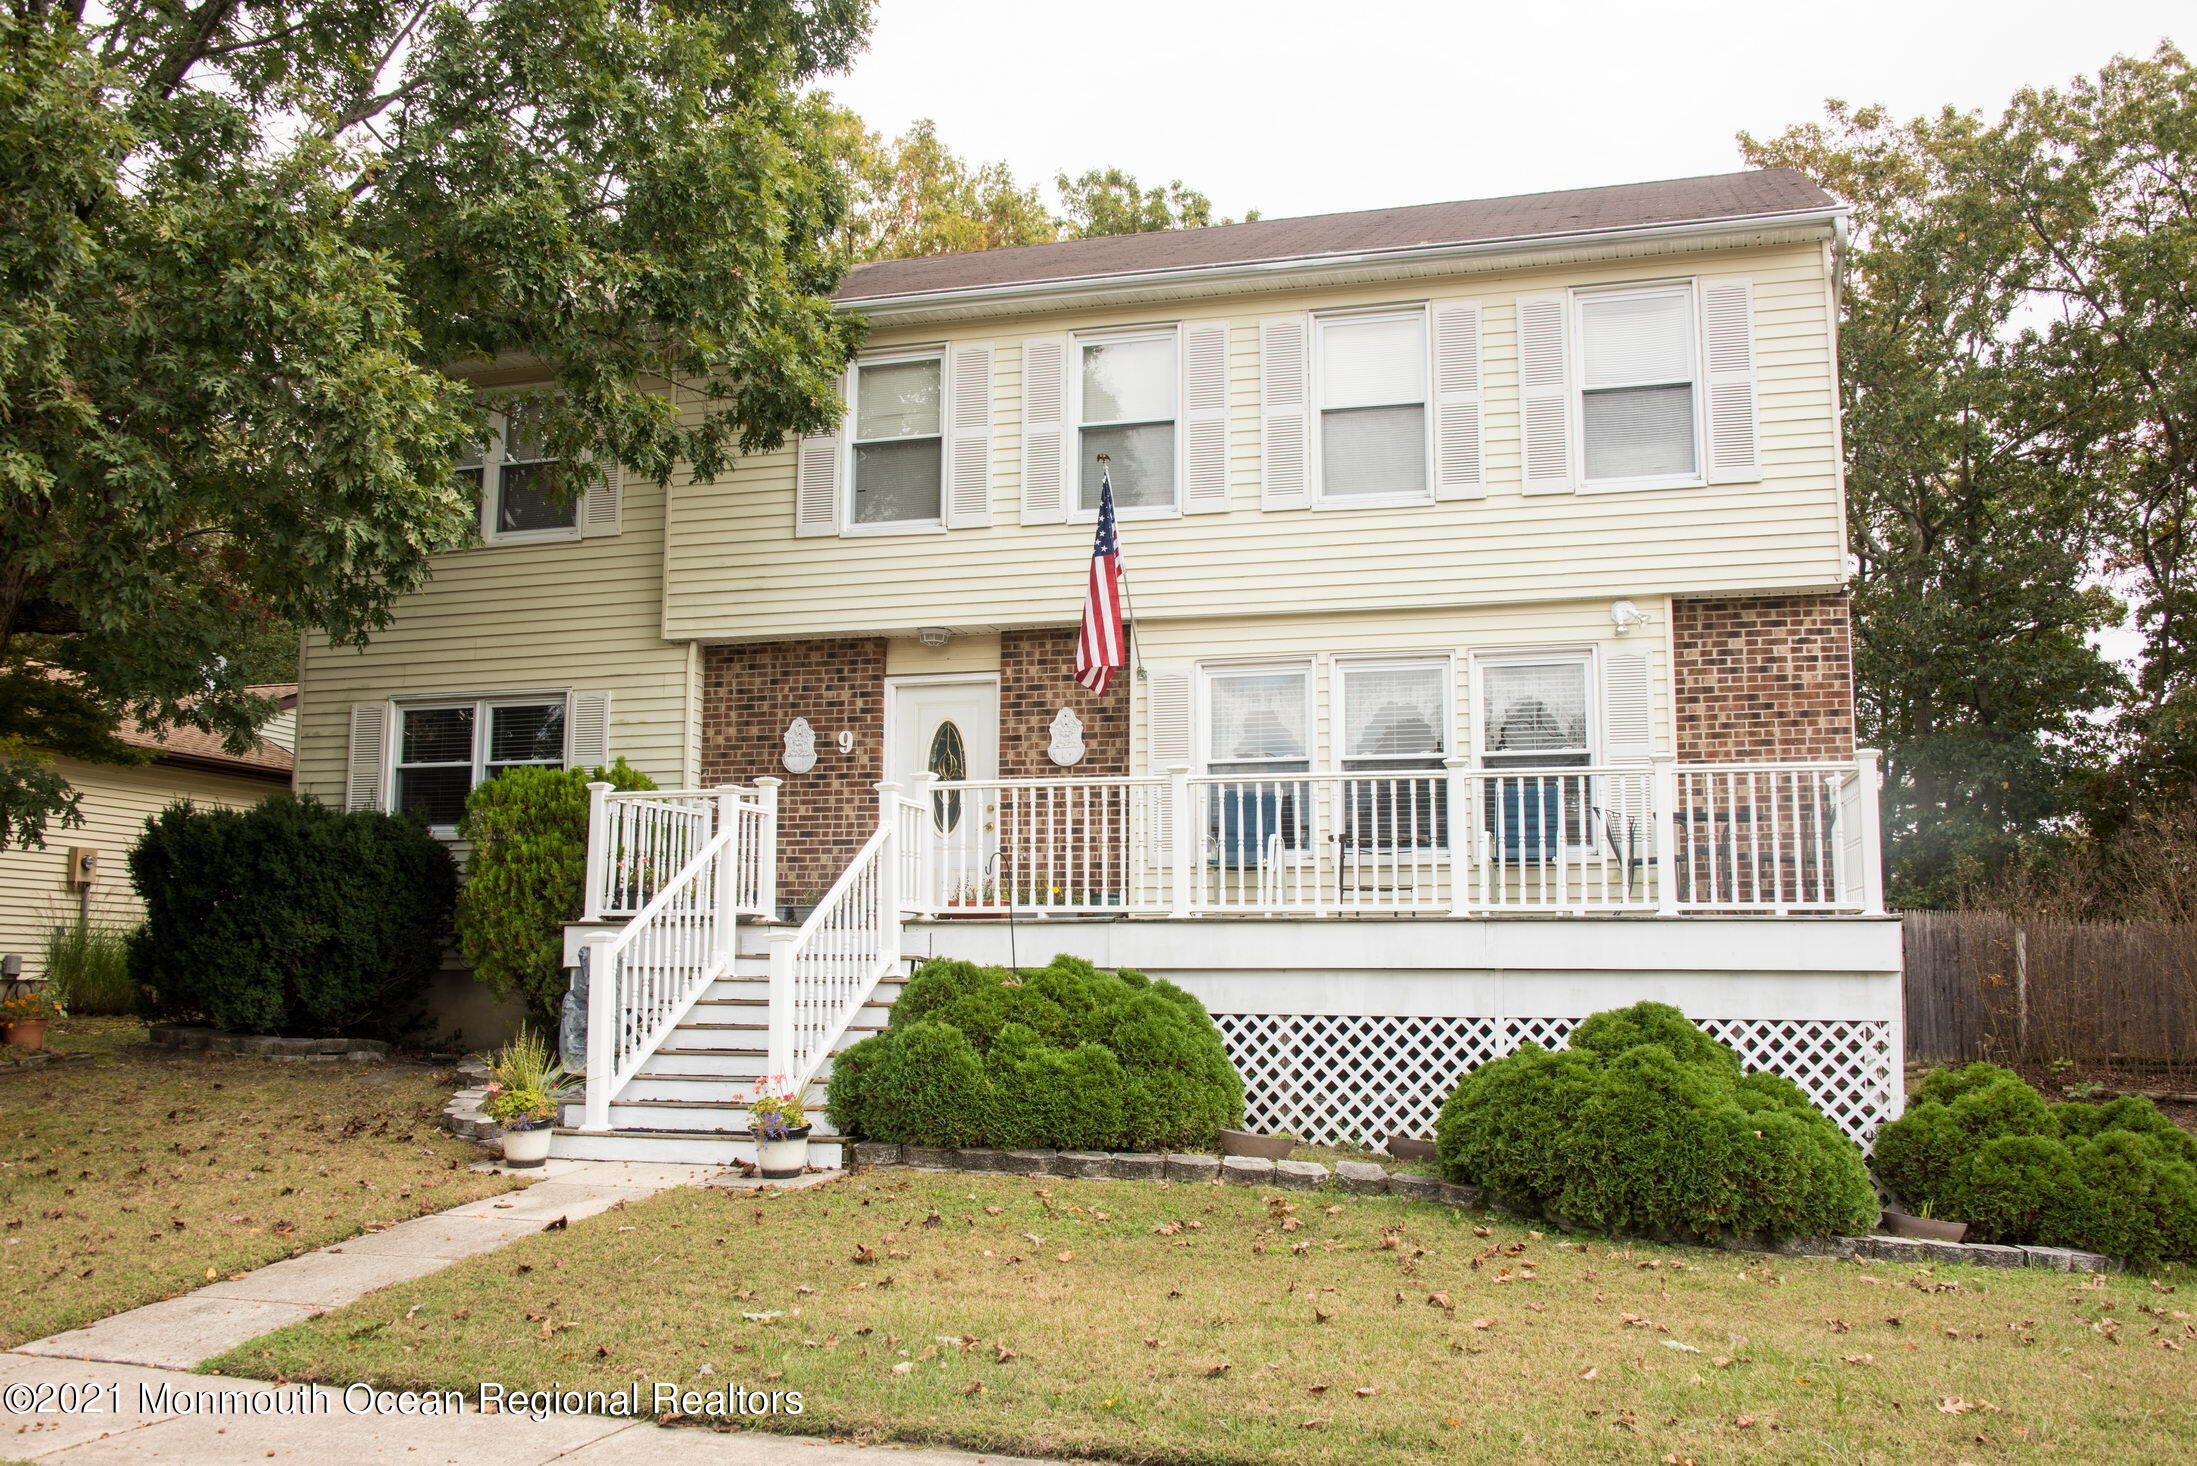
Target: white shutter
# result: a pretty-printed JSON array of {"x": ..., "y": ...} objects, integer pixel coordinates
[
  {"x": 1044, "y": 445},
  {"x": 1728, "y": 357},
  {"x": 1167, "y": 745},
  {"x": 1205, "y": 418},
  {"x": 818, "y": 492},
  {"x": 599, "y": 502},
  {"x": 372, "y": 726},
  {"x": 1457, "y": 455},
  {"x": 968, "y": 497},
  {"x": 587, "y": 730},
  {"x": 1628, "y": 708},
  {"x": 1544, "y": 392},
  {"x": 1285, "y": 349}
]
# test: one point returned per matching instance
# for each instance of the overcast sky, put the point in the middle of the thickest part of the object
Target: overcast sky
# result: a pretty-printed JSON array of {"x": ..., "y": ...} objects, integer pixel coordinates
[{"x": 1304, "y": 108}]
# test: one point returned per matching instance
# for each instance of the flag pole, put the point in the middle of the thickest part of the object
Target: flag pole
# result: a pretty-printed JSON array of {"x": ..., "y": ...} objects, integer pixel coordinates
[{"x": 1128, "y": 606}]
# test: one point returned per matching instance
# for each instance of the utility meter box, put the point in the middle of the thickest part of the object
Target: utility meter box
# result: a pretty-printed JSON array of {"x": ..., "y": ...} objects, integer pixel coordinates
[{"x": 83, "y": 866}]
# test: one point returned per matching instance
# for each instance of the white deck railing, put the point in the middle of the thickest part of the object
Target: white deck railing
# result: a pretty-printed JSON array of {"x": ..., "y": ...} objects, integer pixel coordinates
[
  {"x": 686, "y": 865},
  {"x": 1455, "y": 840}
]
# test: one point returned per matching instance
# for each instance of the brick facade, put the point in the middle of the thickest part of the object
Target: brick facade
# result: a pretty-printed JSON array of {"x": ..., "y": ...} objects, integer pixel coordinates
[
  {"x": 1037, "y": 678},
  {"x": 750, "y": 693},
  {"x": 1763, "y": 679}
]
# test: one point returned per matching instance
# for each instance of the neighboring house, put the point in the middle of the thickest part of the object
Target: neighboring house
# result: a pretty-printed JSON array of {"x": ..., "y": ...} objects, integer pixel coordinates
[
  {"x": 1488, "y": 567},
  {"x": 37, "y": 891}
]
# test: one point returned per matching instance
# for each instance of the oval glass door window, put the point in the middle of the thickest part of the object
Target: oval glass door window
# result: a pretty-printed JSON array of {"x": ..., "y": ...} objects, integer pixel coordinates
[{"x": 950, "y": 761}]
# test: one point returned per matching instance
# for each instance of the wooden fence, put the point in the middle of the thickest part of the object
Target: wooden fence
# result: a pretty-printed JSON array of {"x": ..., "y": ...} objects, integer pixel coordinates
[{"x": 1986, "y": 986}]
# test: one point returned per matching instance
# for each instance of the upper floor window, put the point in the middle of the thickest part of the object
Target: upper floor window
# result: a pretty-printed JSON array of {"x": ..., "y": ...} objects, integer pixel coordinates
[
  {"x": 898, "y": 445},
  {"x": 1126, "y": 388},
  {"x": 444, "y": 749},
  {"x": 1371, "y": 375},
  {"x": 1637, "y": 378},
  {"x": 510, "y": 476}
]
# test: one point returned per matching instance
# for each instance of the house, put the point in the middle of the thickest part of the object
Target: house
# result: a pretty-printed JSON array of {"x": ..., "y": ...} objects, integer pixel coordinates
[
  {"x": 43, "y": 889},
  {"x": 1491, "y": 662}
]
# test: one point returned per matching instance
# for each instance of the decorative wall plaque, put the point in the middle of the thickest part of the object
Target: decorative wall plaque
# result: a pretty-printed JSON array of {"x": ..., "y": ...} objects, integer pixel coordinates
[
  {"x": 1067, "y": 745},
  {"x": 800, "y": 754}
]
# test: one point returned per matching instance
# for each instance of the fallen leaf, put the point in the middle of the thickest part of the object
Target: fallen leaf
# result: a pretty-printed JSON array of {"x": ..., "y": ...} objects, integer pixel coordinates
[
  {"x": 1215, "y": 1371},
  {"x": 1065, "y": 1257},
  {"x": 1315, "y": 1389},
  {"x": 1364, "y": 1390},
  {"x": 903, "y": 1366},
  {"x": 1590, "y": 1373},
  {"x": 1312, "y": 1424}
]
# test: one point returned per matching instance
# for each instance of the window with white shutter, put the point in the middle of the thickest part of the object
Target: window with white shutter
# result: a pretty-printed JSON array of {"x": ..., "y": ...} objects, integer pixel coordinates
[
  {"x": 817, "y": 476},
  {"x": 1638, "y": 364},
  {"x": 368, "y": 764},
  {"x": 513, "y": 478},
  {"x": 1125, "y": 387},
  {"x": 897, "y": 442},
  {"x": 1044, "y": 405},
  {"x": 1205, "y": 417},
  {"x": 1544, "y": 392},
  {"x": 1457, "y": 450},
  {"x": 600, "y": 503},
  {"x": 969, "y": 470},
  {"x": 1728, "y": 354},
  {"x": 1284, "y": 398},
  {"x": 1372, "y": 387},
  {"x": 442, "y": 749}
]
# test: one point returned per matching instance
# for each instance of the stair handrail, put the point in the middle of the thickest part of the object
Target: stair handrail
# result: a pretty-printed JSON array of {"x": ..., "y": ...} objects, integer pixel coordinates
[{"x": 621, "y": 1034}]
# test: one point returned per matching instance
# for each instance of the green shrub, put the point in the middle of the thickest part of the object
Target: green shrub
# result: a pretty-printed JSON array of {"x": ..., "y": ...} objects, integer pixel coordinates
[
  {"x": 289, "y": 917},
  {"x": 526, "y": 876},
  {"x": 1063, "y": 1056},
  {"x": 1978, "y": 1145},
  {"x": 1646, "y": 1124},
  {"x": 87, "y": 968}
]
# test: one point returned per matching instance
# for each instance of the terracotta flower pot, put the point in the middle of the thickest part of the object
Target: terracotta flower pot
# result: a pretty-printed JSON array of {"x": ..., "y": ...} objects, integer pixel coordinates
[
  {"x": 1410, "y": 1148},
  {"x": 1268, "y": 1147},
  {"x": 27, "y": 1033},
  {"x": 1927, "y": 1229}
]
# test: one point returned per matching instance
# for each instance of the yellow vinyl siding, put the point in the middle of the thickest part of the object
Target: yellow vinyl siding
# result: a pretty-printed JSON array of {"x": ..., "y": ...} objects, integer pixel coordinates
[
  {"x": 735, "y": 571},
  {"x": 1459, "y": 634},
  {"x": 34, "y": 889},
  {"x": 581, "y": 614}
]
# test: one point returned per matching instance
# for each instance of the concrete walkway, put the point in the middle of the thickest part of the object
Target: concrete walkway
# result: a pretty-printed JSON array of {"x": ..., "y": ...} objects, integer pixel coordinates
[{"x": 124, "y": 1373}]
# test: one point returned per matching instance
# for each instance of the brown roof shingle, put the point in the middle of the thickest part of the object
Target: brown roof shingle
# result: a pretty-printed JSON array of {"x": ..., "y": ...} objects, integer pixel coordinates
[
  {"x": 1761, "y": 191},
  {"x": 192, "y": 745}
]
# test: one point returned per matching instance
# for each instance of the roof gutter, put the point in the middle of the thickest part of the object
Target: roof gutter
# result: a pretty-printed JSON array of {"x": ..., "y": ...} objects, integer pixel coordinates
[{"x": 1236, "y": 270}]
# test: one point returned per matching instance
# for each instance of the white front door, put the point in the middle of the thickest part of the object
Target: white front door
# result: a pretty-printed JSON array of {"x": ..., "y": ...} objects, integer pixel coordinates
[{"x": 948, "y": 727}]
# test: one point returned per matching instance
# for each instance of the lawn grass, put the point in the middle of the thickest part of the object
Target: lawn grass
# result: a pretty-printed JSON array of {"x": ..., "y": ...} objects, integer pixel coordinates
[
  {"x": 1199, "y": 1324},
  {"x": 143, "y": 1174}
]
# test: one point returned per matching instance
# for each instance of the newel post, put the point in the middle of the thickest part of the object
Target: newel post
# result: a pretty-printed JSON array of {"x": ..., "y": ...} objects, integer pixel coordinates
[
  {"x": 602, "y": 1023},
  {"x": 1457, "y": 791},
  {"x": 888, "y": 855},
  {"x": 1663, "y": 818},
  {"x": 924, "y": 899},
  {"x": 766, "y": 847},
  {"x": 1178, "y": 824},
  {"x": 726, "y": 873},
  {"x": 1872, "y": 831},
  {"x": 598, "y": 850},
  {"x": 779, "y": 1055}
]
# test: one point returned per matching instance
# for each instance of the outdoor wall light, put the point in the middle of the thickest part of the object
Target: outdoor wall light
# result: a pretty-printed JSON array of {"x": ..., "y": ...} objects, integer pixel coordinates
[
  {"x": 1624, "y": 615},
  {"x": 933, "y": 635}
]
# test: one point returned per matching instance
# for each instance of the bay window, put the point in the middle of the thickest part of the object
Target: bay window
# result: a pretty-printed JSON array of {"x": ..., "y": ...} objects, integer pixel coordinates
[
  {"x": 1637, "y": 385},
  {"x": 444, "y": 749},
  {"x": 1126, "y": 391},
  {"x": 1372, "y": 385},
  {"x": 898, "y": 447}
]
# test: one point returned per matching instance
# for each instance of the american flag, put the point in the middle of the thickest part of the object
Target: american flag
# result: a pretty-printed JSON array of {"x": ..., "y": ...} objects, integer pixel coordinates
[{"x": 1101, "y": 646}]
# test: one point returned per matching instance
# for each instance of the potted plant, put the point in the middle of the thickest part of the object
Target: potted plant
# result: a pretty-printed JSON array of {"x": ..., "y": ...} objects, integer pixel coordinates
[
  {"x": 526, "y": 1088},
  {"x": 778, "y": 1119},
  {"x": 1250, "y": 1143},
  {"x": 1921, "y": 1225},
  {"x": 26, "y": 1016}
]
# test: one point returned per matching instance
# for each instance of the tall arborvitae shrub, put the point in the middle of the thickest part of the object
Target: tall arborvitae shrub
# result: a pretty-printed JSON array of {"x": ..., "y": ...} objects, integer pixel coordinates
[
  {"x": 1064, "y": 1056},
  {"x": 1978, "y": 1145},
  {"x": 1647, "y": 1124},
  {"x": 289, "y": 918},
  {"x": 525, "y": 876}
]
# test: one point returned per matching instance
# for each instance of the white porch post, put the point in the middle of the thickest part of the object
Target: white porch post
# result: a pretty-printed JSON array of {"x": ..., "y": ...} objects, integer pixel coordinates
[
  {"x": 924, "y": 899},
  {"x": 602, "y": 1016},
  {"x": 888, "y": 858},
  {"x": 778, "y": 1059},
  {"x": 1872, "y": 832},
  {"x": 1178, "y": 805},
  {"x": 766, "y": 848},
  {"x": 598, "y": 850},
  {"x": 1663, "y": 815},
  {"x": 1457, "y": 789}
]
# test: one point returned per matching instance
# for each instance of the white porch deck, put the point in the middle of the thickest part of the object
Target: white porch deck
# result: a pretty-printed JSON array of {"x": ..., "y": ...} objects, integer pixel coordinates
[{"x": 1360, "y": 939}]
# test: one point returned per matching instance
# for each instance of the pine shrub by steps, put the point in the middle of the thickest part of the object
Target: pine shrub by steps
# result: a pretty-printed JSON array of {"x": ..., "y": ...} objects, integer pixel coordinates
[
  {"x": 1063, "y": 1056},
  {"x": 526, "y": 876},
  {"x": 1646, "y": 1124},
  {"x": 289, "y": 918},
  {"x": 1978, "y": 1145}
]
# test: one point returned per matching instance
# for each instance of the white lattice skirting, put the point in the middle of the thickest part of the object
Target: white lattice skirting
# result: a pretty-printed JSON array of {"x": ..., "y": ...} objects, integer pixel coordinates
[{"x": 1342, "y": 1080}]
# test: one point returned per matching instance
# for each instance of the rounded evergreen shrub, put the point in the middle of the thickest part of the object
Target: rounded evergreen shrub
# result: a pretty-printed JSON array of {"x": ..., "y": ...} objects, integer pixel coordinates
[
  {"x": 526, "y": 876},
  {"x": 1646, "y": 1124},
  {"x": 1978, "y": 1145},
  {"x": 1063, "y": 1056},
  {"x": 289, "y": 918}
]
